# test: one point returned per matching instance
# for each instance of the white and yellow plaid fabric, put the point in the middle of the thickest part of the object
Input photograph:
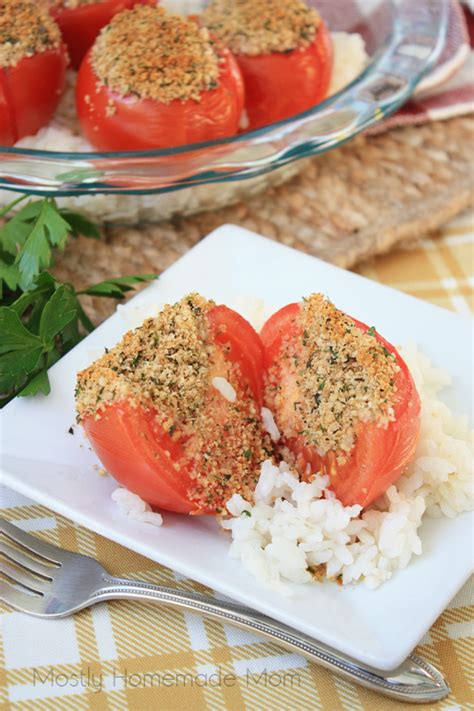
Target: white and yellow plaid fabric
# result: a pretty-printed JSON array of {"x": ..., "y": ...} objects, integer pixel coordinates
[{"x": 129, "y": 655}]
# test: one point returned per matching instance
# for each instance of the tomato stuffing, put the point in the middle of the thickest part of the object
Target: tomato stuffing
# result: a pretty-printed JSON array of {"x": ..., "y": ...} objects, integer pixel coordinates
[
  {"x": 81, "y": 23},
  {"x": 190, "y": 91},
  {"x": 342, "y": 397},
  {"x": 173, "y": 411}
]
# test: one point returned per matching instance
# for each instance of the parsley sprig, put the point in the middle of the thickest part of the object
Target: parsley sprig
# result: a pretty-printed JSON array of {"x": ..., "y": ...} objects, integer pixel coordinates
[
  {"x": 28, "y": 238},
  {"x": 42, "y": 318}
]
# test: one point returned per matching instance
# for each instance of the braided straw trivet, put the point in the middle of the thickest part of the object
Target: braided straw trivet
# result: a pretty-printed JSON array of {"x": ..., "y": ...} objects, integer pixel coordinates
[{"x": 347, "y": 205}]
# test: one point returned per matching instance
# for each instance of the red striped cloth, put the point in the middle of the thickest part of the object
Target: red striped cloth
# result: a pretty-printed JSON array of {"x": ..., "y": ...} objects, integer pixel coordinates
[{"x": 449, "y": 89}]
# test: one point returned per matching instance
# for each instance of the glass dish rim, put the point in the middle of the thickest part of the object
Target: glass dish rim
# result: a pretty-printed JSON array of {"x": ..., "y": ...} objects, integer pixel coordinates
[
  {"x": 258, "y": 133},
  {"x": 230, "y": 141}
]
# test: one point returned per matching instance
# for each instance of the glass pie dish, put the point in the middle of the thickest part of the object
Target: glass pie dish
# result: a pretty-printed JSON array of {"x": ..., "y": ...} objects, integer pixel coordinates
[{"x": 403, "y": 40}]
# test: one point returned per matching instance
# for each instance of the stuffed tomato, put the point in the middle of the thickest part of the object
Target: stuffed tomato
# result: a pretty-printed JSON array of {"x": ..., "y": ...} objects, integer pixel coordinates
[
  {"x": 342, "y": 397},
  {"x": 284, "y": 52},
  {"x": 173, "y": 411},
  {"x": 80, "y": 21},
  {"x": 154, "y": 80},
  {"x": 33, "y": 64}
]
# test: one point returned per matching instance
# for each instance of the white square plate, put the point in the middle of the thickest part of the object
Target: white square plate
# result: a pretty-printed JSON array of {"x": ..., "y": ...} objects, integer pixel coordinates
[{"x": 43, "y": 461}]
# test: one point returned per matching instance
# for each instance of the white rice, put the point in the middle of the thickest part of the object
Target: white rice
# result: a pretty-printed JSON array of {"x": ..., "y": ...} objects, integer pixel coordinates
[
  {"x": 350, "y": 58},
  {"x": 269, "y": 424},
  {"x": 292, "y": 525},
  {"x": 225, "y": 388},
  {"x": 134, "y": 507},
  {"x": 63, "y": 134}
]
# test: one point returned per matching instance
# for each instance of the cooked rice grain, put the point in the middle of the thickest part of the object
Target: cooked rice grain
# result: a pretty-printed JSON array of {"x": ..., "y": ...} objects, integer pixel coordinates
[{"x": 134, "y": 507}]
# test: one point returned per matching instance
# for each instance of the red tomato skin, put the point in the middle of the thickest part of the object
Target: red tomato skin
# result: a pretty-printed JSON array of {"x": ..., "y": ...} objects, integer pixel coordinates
[
  {"x": 80, "y": 25},
  {"x": 282, "y": 84},
  {"x": 29, "y": 93},
  {"x": 132, "y": 448},
  {"x": 231, "y": 329},
  {"x": 141, "y": 124},
  {"x": 380, "y": 455},
  {"x": 7, "y": 121},
  {"x": 282, "y": 323},
  {"x": 132, "y": 445}
]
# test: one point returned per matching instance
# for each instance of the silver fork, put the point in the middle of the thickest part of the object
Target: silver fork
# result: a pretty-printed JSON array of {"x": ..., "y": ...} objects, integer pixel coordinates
[{"x": 46, "y": 581}]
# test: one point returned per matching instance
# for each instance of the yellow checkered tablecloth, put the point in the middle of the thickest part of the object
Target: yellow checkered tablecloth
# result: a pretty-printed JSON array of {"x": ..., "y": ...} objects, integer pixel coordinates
[{"x": 104, "y": 657}]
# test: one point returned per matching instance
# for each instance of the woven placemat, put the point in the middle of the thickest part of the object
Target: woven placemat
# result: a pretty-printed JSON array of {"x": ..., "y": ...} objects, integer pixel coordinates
[{"x": 347, "y": 205}]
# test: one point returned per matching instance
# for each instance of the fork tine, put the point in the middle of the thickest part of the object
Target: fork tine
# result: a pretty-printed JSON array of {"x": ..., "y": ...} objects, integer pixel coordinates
[
  {"x": 26, "y": 562},
  {"x": 33, "y": 544},
  {"x": 27, "y": 580},
  {"x": 20, "y": 600}
]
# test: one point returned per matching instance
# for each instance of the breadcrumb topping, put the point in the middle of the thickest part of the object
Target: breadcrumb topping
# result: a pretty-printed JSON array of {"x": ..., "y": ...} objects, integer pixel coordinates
[
  {"x": 164, "y": 362},
  {"x": 72, "y": 4},
  {"x": 167, "y": 366},
  {"x": 331, "y": 377},
  {"x": 26, "y": 28},
  {"x": 154, "y": 55},
  {"x": 255, "y": 27}
]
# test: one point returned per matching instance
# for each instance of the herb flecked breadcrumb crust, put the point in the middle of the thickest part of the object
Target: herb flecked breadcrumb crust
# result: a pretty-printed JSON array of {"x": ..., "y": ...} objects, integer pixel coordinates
[
  {"x": 255, "y": 27},
  {"x": 72, "y": 4},
  {"x": 152, "y": 54},
  {"x": 167, "y": 365},
  {"x": 26, "y": 28},
  {"x": 343, "y": 376}
]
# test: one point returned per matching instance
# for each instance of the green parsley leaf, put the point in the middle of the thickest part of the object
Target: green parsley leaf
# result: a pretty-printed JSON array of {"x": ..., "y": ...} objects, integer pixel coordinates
[
  {"x": 84, "y": 318},
  {"x": 79, "y": 174},
  {"x": 28, "y": 239},
  {"x": 10, "y": 275},
  {"x": 42, "y": 289},
  {"x": 15, "y": 232},
  {"x": 58, "y": 312},
  {"x": 116, "y": 288},
  {"x": 38, "y": 384},
  {"x": 15, "y": 337},
  {"x": 80, "y": 225},
  {"x": 49, "y": 230},
  {"x": 20, "y": 352}
]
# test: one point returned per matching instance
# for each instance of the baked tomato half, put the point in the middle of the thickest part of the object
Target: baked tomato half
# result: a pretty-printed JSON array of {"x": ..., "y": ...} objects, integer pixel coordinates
[
  {"x": 282, "y": 84},
  {"x": 80, "y": 24},
  {"x": 173, "y": 411},
  {"x": 171, "y": 86},
  {"x": 342, "y": 397}
]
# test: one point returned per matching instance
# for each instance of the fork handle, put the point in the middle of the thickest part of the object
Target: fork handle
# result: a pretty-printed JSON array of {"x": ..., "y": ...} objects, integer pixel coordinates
[{"x": 415, "y": 680}]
